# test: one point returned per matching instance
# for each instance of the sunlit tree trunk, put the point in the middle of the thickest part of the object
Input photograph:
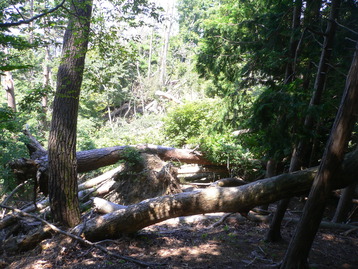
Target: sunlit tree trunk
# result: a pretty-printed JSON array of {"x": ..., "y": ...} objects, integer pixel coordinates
[
  {"x": 46, "y": 85},
  {"x": 150, "y": 53},
  {"x": 62, "y": 140},
  {"x": 163, "y": 69},
  {"x": 8, "y": 84},
  {"x": 300, "y": 245}
]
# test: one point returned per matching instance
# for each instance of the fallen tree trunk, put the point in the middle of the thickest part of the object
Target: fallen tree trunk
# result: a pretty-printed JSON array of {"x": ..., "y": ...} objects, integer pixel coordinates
[
  {"x": 103, "y": 206},
  {"x": 92, "y": 159},
  {"x": 210, "y": 200},
  {"x": 89, "y": 160},
  {"x": 100, "y": 179}
]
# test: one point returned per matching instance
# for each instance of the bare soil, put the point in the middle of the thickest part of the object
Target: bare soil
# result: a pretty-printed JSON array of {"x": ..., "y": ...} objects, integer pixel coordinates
[{"x": 192, "y": 243}]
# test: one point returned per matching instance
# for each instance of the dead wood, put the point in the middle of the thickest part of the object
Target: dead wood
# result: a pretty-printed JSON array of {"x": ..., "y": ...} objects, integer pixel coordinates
[
  {"x": 193, "y": 173},
  {"x": 233, "y": 199},
  {"x": 77, "y": 238},
  {"x": 103, "y": 206},
  {"x": 229, "y": 182},
  {"x": 148, "y": 177},
  {"x": 7, "y": 198},
  {"x": 98, "y": 180},
  {"x": 96, "y": 158},
  {"x": 13, "y": 245},
  {"x": 10, "y": 219},
  {"x": 168, "y": 96},
  {"x": 100, "y": 190}
]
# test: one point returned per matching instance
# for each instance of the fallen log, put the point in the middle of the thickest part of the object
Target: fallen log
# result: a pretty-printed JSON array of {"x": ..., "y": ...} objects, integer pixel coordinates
[
  {"x": 89, "y": 160},
  {"x": 98, "y": 180},
  {"x": 103, "y": 206},
  {"x": 232, "y": 199},
  {"x": 92, "y": 159}
]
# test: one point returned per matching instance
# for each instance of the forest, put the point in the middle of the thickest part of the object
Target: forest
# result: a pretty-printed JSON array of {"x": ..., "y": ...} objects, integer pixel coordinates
[{"x": 178, "y": 134}]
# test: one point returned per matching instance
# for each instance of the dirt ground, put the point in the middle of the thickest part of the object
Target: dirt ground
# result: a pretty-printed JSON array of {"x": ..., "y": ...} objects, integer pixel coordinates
[{"x": 192, "y": 243}]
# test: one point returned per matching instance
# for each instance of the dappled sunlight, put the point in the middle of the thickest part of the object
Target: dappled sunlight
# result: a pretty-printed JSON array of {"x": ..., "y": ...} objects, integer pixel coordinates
[{"x": 194, "y": 252}]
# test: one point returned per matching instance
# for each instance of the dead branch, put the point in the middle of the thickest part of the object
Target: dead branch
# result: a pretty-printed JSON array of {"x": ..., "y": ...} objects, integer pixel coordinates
[
  {"x": 103, "y": 206},
  {"x": 97, "y": 180},
  {"x": 77, "y": 238}
]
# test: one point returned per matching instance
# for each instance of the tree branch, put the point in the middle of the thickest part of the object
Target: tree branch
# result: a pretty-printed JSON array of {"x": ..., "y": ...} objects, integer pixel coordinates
[
  {"x": 79, "y": 239},
  {"x": 9, "y": 24}
]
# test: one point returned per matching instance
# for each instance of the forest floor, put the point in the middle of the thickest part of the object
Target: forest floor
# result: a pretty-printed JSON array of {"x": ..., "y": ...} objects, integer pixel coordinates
[{"x": 193, "y": 243}]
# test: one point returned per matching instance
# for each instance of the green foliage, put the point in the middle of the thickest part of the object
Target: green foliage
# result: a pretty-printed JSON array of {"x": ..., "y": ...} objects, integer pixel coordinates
[
  {"x": 188, "y": 123},
  {"x": 147, "y": 129},
  {"x": 11, "y": 145},
  {"x": 224, "y": 148},
  {"x": 200, "y": 123},
  {"x": 244, "y": 42},
  {"x": 132, "y": 156},
  {"x": 86, "y": 132},
  {"x": 239, "y": 48},
  {"x": 276, "y": 120}
]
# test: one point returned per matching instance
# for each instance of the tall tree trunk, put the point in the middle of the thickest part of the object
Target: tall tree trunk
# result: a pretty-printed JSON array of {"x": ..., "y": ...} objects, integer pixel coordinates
[
  {"x": 300, "y": 245},
  {"x": 46, "y": 85},
  {"x": 274, "y": 234},
  {"x": 62, "y": 140},
  {"x": 163, "y": 69},
  {"x": 150, "y": 53},
  {"x": 296, "y": 20},
  {"x": 301, "y": 150},
  {"x": 8, "y": 84}
]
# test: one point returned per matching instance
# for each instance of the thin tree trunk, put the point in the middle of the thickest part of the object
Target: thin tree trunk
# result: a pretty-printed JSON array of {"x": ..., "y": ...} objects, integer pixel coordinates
[
  {"x": 150, "y": 53},
  {"x": 296, "y": 20},
  {"x": 344, "y": 204},
  {"x": 274, "y": 233},
  {"x": 163, "y": 70},
  {"x": 10, "y": 90},
  {"x": 300, "y": 245},
  {"x": 46, "y": 85},
  {"x": 271, "y": 169},
  {"x": 301, "y": 150},
  {"x": 62, "y": 140}
]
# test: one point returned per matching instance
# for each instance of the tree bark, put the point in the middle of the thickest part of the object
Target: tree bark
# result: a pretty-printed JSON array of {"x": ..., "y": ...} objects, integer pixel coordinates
[
  {"x": 233, "y": 199},
  {"x": 100, "y": 179},
  {"x": 8, "y": 84},
  {"x": 44, "y": 124},
  {"x": 96, "y": 158},
  {"x": 62, "y": 139},
  {"x": 167, "y": 32},
  {"x": 344, "y": 204},
  {"x": 299, "y": 153},
  {"x": 300, "y": 245},
  {"x": 296, "y": 19}
]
